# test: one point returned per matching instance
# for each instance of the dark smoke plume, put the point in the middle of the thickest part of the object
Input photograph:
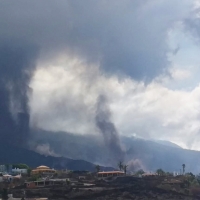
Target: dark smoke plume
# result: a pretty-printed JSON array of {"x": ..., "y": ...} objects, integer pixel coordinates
[
  {"x": 17, "y": 61},
  {"x": 108, "y": 129}
]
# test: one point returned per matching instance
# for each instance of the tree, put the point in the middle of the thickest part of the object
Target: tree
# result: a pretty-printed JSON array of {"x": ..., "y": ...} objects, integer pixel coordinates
[
  {"x": 120, "y": 165},
  {"x": 34, "y": 178},
  {"x": 29, "y": 171},
  {"x": 97, "y": 167},
  {"x": 190, "y": 176},
  {"x": 140, "y": 172},
  {"x": 20, "y": 166},
  {"x": 183, "y": 165},
  {"x": 160, "y": 172},
  {"x": 195, "y": 182},
  {"x": 125, "y": 168}
]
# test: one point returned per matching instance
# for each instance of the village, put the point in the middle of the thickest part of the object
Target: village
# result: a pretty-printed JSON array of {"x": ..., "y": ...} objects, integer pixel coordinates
[{"x": 18, "y": 181}]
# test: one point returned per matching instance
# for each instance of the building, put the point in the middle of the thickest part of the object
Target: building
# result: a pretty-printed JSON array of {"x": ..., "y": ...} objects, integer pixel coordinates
[
  {"x": 10, "y": 168},
  {"x": 2, "y": 168},
  {"x": 6, "y": 168},
  {"x": 149, "y": 174},
  {"x": 102, "y": 175},
  {"x": 45, "y": 183},
  {"x": 43, "y": 170},
  {"x": 19, "y": 171}
]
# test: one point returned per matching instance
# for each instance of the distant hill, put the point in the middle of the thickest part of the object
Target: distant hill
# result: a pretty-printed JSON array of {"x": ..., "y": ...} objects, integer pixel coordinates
[
  {"x": 146, "y": 154},
  {"x": 154, "y": 155},
  {"x": 13, "y": 154},
  {"x": 167, "y": 143}
]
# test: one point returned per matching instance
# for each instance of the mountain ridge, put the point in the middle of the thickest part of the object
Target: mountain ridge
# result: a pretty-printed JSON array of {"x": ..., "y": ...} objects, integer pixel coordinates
[
  {"x": 147, "y": 154},
  {"x": 14, "y": 154}
]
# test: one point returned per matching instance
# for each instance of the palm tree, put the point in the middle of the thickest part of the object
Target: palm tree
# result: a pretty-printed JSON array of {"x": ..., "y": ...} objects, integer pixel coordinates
[
  {"x": 125, "y": 168},
  {"x": 97, "y": 168},
  {"x": 183, "y": 165},
  {"x": 120, "y": 165}
]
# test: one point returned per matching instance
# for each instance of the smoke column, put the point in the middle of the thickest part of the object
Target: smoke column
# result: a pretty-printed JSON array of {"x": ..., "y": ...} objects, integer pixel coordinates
[
  {"x": 108, "y": 129},
  {"x": 135, "y": 165},
  {"x": 17, "y": 61}
]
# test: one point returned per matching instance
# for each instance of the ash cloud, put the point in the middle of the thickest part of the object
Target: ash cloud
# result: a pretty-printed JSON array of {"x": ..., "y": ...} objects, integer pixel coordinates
[
  {"x": 124, "y": 37},
  {"x": 16, "y": 63},
  {"x": 45, "y": 149},
  {"x": 108, "y": 129}
]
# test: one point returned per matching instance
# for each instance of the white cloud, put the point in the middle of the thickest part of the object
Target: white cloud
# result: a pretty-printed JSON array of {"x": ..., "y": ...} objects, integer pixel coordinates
[
  {"x": 64, "y": 98},
  {"x": 65, "y": 88},
  {"x": 180, "y": 74}
]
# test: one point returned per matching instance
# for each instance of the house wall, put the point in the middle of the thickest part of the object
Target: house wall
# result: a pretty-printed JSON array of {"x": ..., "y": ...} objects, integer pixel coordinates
[
  {"x": 23, "y": 171},
  {"x": 30, "y": 185}
]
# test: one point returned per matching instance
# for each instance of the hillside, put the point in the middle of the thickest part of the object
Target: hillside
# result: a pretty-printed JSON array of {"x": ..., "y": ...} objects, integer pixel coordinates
[
  {"x": 146, "y": 154},
  {"x": 154, "y": 155},
  {"x": 13, "y": 154}
]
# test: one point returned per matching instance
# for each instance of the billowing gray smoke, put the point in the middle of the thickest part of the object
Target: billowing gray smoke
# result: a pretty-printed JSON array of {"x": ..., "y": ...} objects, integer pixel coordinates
[
  {"x": 16, "y": 65},
  {"x": 135, "y": 165},
  {"x": 125, "y": 37},
  {"x": 108, "y": 129}
]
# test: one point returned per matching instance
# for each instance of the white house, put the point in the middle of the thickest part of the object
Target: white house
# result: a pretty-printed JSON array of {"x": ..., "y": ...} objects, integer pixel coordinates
[{"x": 19, "y": 171}]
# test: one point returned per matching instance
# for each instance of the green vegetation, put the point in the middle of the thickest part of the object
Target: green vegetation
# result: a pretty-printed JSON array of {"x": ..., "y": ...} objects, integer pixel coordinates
[
  {"x": 29, "y": 171},
  {"x": 122, "y": 167},
  {"x": 20, "y": 166},
  {"x": 160, "y": 172},
  {"x": 191, "y": 179},
  {"x": 34, "y": 178},
  {"x": 194, "y": 182},
  {"x": 140, "y": 172}
]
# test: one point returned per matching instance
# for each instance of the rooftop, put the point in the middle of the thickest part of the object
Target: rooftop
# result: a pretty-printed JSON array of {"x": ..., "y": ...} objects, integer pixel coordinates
[
  {"x": 42, "y": 167},
  {"x": 111, "y": 172}
]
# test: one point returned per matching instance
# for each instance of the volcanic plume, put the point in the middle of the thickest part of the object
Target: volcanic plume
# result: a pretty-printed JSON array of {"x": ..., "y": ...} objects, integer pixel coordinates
[
  {"x": 16, "y": 64},
  {"x": 108, "y": 129}
]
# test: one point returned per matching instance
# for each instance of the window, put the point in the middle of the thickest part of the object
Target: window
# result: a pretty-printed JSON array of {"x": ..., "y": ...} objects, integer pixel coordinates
[{"x": 104, "y": 175}]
